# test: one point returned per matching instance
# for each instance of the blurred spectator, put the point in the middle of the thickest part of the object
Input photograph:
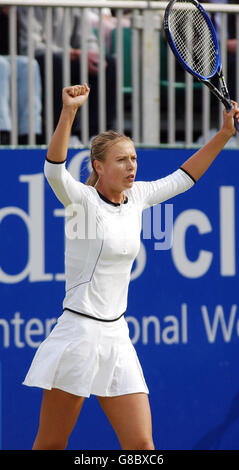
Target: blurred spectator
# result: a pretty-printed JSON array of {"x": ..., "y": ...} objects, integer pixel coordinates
[
  {"x": 39, "y": 40},
  {"x": 22, "y": 88},
  {"x": 109, "y": 22}
]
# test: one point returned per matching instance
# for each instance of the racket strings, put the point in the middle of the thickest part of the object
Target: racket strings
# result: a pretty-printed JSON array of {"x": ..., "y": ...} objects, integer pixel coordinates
[{"x": 193, "y": 39}]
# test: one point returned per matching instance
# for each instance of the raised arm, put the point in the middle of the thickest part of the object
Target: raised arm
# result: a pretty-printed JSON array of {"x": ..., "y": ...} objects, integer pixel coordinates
[
  {"x": 200, "y": 161},
  {"x": 73, "y": 97},
  {"x": 154, "y": 192},
  {"x": 66, "y": 188}
]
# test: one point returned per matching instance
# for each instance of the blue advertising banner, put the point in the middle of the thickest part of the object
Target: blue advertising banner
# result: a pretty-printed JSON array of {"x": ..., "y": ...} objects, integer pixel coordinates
[{"x": 182, "y": 305}]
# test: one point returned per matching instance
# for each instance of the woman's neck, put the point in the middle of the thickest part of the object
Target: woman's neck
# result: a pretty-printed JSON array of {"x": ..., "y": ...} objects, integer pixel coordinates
[{"x": 109, "y": 193}]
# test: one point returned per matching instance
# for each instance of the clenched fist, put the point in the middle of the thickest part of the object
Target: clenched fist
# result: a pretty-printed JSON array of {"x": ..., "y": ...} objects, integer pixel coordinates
[{"x": 75, "y": 96}]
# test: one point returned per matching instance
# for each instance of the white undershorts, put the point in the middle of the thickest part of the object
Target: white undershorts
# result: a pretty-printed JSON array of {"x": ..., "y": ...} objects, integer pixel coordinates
[{"x": 84, "y": 356}]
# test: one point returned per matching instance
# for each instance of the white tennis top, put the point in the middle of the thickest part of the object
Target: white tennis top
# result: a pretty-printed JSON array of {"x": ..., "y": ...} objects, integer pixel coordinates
[{"x": 103, "y": 239}]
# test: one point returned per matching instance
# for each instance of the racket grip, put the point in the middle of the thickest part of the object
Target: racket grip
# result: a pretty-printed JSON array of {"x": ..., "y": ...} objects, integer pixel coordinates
[{"x": 236, "y": 123}]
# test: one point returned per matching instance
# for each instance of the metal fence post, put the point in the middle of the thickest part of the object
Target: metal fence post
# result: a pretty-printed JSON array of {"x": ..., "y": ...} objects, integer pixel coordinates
[
  {"x": 13, "y": 88},
  {"x": 150, "y": 80}
]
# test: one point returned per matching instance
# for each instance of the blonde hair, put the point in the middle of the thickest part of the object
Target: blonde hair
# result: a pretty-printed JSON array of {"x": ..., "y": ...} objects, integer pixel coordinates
[{"x": 99, "y": 146}]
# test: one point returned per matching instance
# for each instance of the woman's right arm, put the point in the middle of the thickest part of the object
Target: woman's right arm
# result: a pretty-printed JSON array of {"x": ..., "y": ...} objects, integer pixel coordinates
[
  {"x": 73, "y": 98},
  {"x": 65, "y": 187}
]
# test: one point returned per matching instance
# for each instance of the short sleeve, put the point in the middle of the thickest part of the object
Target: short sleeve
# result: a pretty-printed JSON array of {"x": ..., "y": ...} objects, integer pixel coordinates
[{"x": 148, "y": 194}]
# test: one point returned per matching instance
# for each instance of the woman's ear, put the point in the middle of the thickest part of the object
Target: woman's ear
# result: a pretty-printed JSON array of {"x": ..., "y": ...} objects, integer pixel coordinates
[{"x": 98, "y": 166}]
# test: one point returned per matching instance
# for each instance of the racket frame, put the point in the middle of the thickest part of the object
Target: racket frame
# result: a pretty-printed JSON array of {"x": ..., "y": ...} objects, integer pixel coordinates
[{"x": 223, "y": 96}]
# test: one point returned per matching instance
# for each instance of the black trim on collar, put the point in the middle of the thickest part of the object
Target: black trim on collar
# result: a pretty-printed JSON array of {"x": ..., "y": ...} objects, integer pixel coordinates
[
  {"x": 52, "y": 161},
  {"x": 111, "y": 202},
  {"x": 190, "y": 176}
]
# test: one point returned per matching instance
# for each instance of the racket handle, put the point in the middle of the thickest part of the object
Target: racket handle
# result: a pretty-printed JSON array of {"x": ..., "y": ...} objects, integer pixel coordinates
[{"x": 236, "y": 123}]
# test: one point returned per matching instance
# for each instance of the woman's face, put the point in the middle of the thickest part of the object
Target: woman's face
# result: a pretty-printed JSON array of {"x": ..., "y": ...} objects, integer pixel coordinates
[{"x": 119, "y": 168}]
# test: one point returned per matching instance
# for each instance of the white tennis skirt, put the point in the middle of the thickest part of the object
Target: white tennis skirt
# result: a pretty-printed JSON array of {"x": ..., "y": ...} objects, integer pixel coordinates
[{"x": 84, "y": 356}]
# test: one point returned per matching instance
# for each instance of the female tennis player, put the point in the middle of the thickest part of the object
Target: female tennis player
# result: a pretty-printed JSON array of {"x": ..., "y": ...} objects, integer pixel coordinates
[{"x": 89, "y": 351}]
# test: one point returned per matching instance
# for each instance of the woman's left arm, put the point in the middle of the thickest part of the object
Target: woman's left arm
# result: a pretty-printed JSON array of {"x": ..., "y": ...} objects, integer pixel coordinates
[{"x": 200, "y": 161}]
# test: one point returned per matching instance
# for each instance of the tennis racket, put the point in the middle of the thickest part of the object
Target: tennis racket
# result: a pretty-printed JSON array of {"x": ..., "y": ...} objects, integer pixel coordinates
[{"x": 193, "y": 40}]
